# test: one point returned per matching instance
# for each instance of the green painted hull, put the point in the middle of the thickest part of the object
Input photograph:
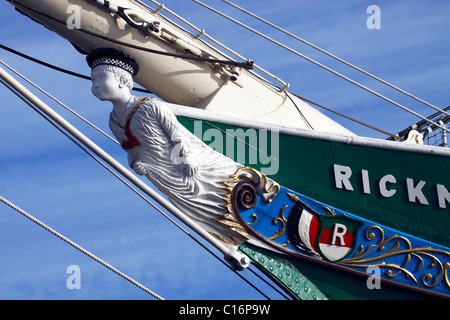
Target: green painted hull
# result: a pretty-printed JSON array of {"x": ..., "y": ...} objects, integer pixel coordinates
[
  {"x": 305, "y": 280},
  {"x": 396, "y": 185}
]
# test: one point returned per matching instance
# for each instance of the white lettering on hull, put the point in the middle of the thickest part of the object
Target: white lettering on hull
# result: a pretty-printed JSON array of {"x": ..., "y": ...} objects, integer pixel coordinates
[{"x": 388, "y": 186}]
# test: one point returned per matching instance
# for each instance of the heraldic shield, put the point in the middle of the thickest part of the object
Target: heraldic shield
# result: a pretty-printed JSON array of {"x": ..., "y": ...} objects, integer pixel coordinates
[
  {"x": 331, "y": 236},
  {"x": 337, "y": 236}
]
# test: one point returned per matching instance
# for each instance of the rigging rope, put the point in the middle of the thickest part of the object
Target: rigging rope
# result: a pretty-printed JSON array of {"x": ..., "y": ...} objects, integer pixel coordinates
[
  {"x": 233, "y": 63},
  {"x": 60, "y": 103},
  {"x": 246, "y": 64},
  {"x": 146, "y": 91},
  {"x": 111, "y": 40},
  {"x": 51, "y": 66},
  {"x": 79, "y": 248},
  {"x": 321, "y": 65},
  {"x": 391, "y": 135},
  {"x": 335, "y": 57}
]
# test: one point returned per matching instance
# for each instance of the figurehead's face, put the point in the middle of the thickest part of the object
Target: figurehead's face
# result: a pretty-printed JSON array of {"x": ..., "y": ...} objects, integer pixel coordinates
[
  {"x": 108, "y": 82},
  {"x": 104, "y": 84}
]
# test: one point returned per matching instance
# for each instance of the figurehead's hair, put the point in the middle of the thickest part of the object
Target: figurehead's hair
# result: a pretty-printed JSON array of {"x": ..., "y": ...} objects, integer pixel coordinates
[{"x": 114, "y": 57}]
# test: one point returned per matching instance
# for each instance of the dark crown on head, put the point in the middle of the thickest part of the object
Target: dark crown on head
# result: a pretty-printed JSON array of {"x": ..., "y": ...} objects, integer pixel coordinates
[{"x": 114, "y": 57}]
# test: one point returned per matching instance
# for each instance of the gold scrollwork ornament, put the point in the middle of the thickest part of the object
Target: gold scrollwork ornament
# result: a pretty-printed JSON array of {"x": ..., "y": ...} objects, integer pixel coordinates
[{"x": 373, "y": 255}]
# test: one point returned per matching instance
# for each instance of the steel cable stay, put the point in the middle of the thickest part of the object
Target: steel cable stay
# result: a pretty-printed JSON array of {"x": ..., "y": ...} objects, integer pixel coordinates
[
  {"x": 277, "y": 43},
  {"x": 134, "y": 190},
  {"x": 444, "y": 111},
  {"x": 194, "y": 58},
  {"x": 48, "y": 65},
  {"x": 81, "y": 249},
  {"x": 51, "y": 66},
  {"x": 60, "y": 103},
  {"x": 324, "y": 67},
  {"x": 54, "y": 232}
]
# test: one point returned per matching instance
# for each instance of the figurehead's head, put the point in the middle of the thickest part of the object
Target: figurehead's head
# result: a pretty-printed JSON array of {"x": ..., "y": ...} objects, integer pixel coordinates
[{"x": 108, "y": 63}]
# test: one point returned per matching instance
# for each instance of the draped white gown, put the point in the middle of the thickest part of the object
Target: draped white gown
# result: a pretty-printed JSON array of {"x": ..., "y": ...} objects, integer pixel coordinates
[{"x": 161, "y": 138}]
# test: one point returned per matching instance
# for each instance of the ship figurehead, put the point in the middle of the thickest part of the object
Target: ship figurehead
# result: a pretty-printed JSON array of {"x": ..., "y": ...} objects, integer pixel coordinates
[{"x": 237, "y": 204}]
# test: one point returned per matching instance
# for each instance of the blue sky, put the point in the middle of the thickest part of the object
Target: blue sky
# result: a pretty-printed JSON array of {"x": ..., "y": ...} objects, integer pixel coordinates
[{"x": 45, "y": 174}]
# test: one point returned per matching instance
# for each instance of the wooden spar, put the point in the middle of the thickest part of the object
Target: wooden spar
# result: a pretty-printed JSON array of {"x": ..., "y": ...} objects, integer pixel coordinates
[{"x": 237, "y": 260}]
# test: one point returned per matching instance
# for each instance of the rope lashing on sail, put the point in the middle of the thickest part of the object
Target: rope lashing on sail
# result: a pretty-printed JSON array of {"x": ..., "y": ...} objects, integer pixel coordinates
[
  {"x": 322, "y": 66},
  {"x": 79, "y": 248},
  {"x": 147, "y": 26},
  {"x": 245, "y": 65}
]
